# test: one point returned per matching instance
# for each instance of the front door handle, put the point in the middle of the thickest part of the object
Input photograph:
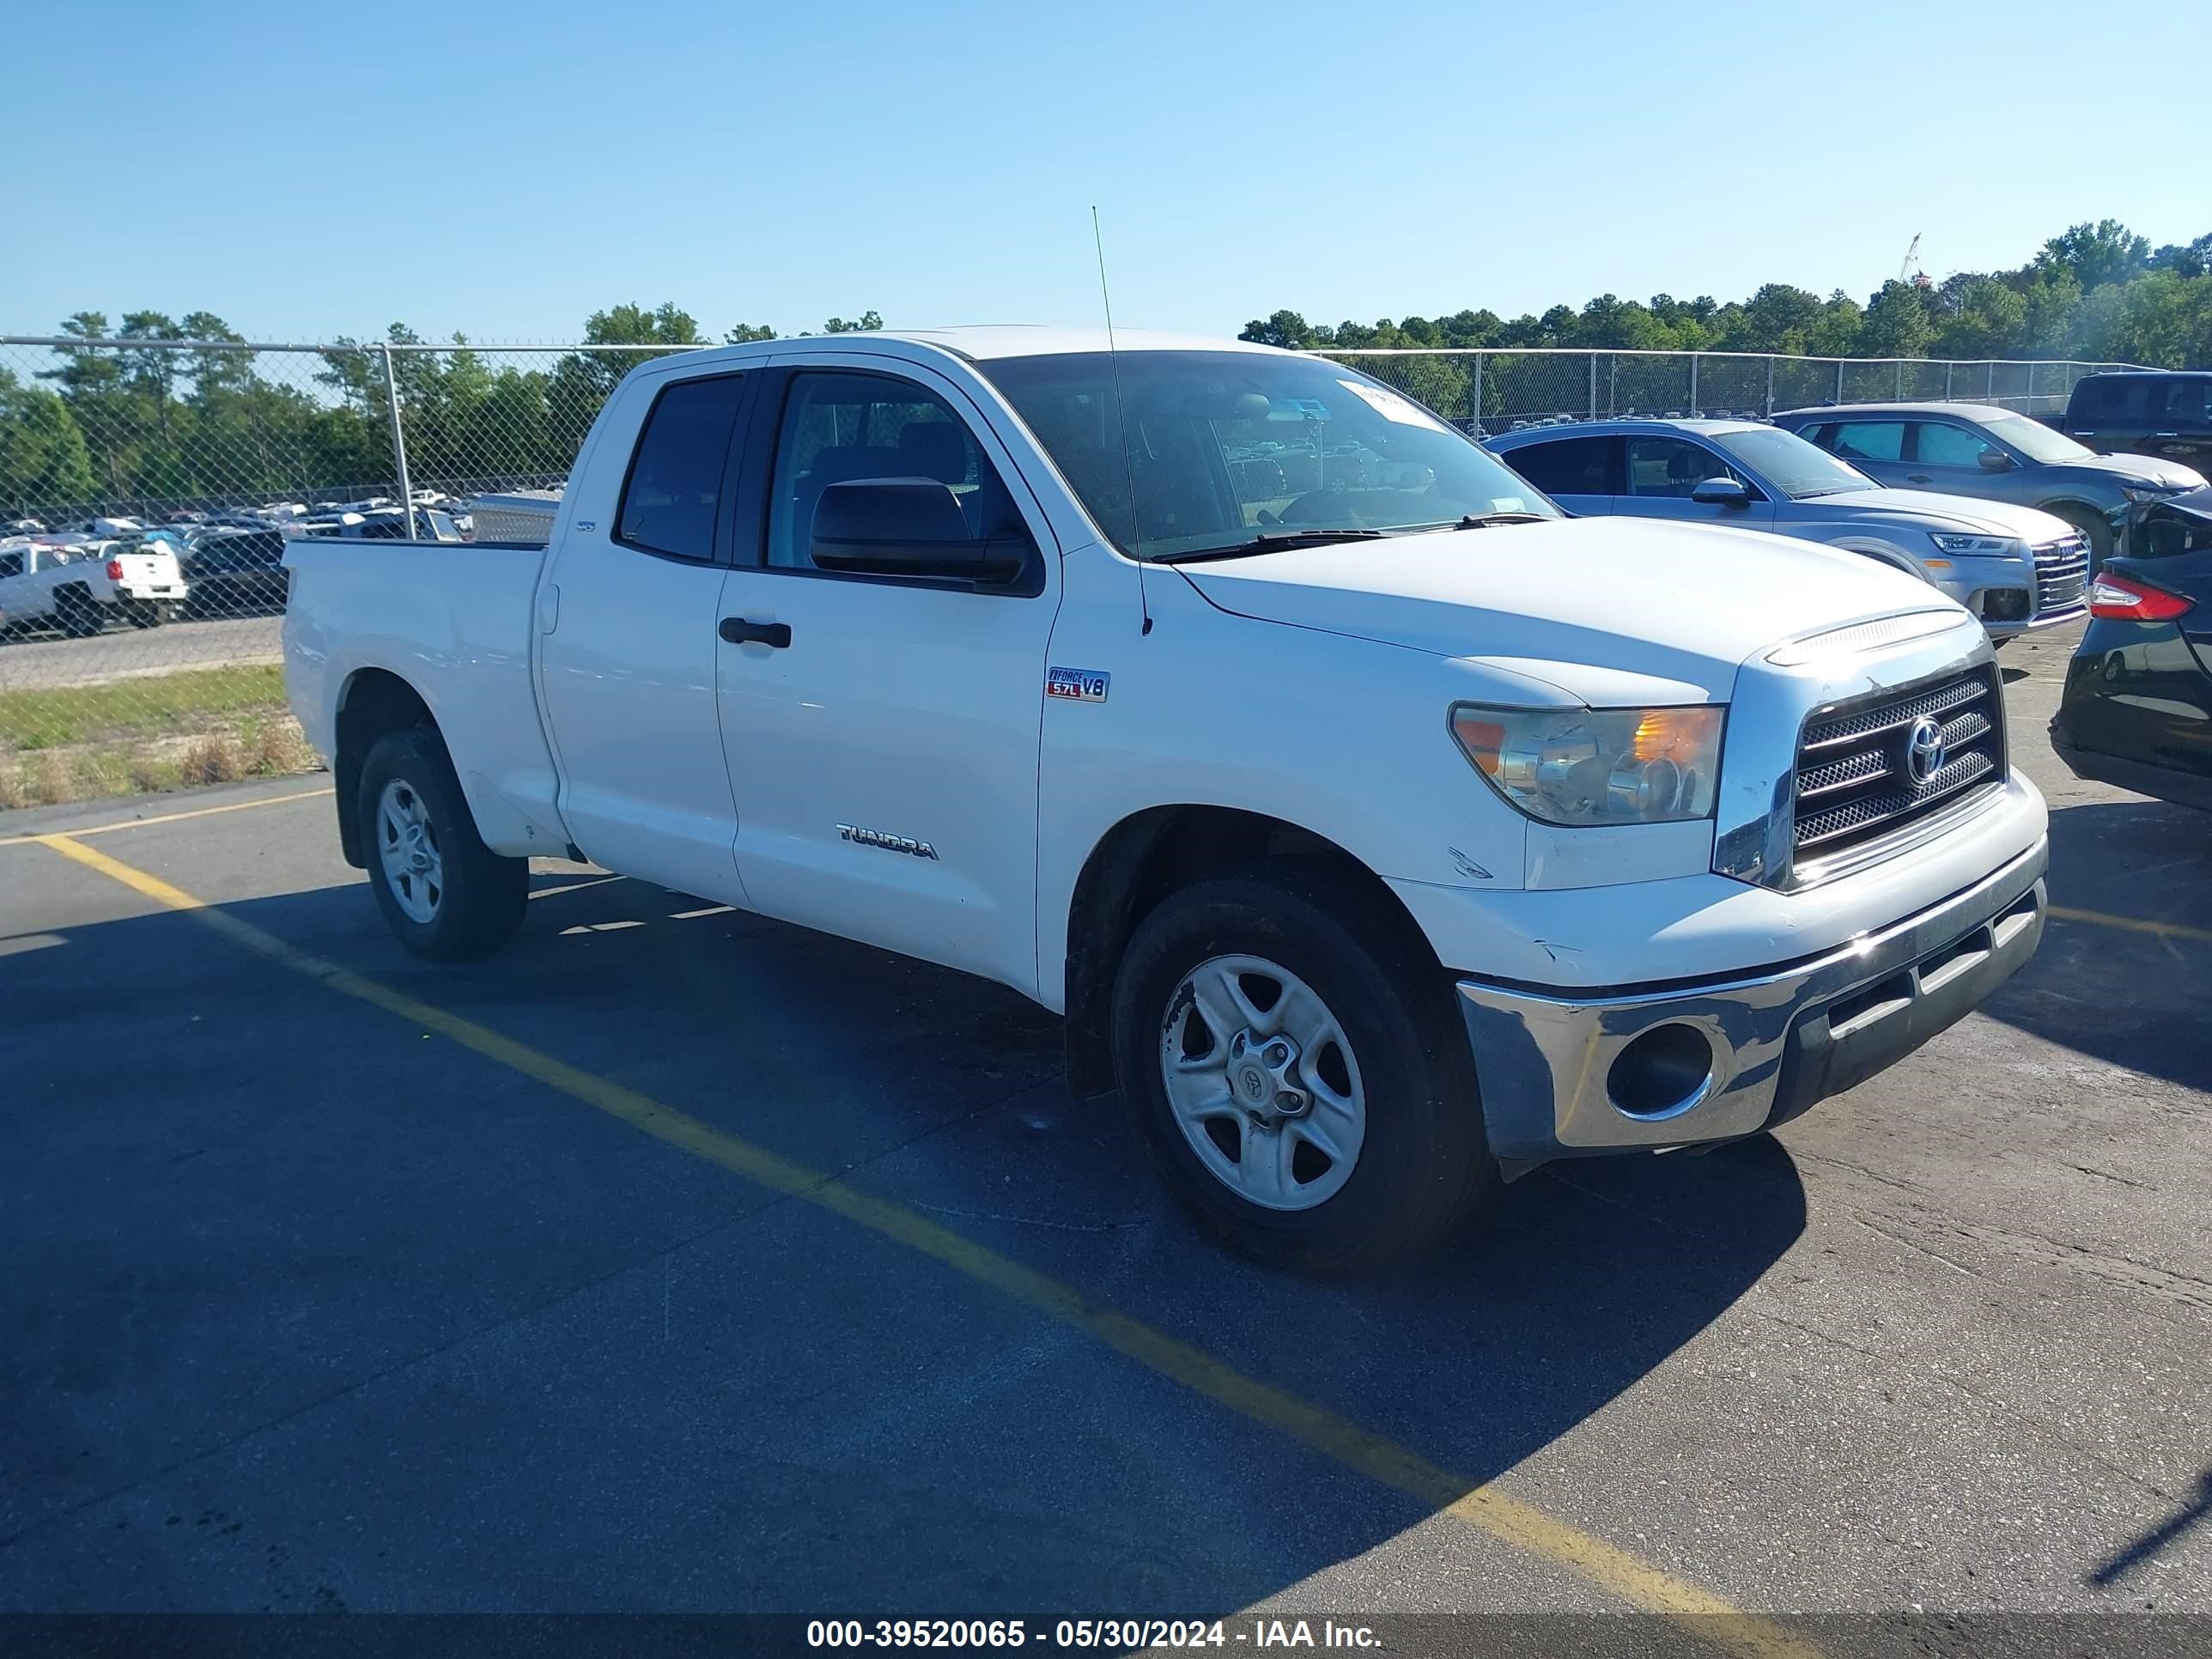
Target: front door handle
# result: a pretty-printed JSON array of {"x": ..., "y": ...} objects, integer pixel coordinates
[
  {"x": 1917, "y": 477},
  {"x": 738, "y": 631}
]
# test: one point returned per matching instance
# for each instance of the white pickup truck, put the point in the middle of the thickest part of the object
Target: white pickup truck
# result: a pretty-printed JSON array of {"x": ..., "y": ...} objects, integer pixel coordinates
[
  {"x": 1379, "y": 830},
  {"x": 77, "y": 588}
]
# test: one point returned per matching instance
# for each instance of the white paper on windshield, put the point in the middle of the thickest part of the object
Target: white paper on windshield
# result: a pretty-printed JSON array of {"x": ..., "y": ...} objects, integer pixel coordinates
[{"x": 1391, "y": 407}]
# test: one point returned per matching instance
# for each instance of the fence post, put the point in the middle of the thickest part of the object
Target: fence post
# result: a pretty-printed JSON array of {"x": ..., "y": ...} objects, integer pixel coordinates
[
  {"x": 1989, "y": 383},
  {"x": 1478, "y": 396},
  {"x": 1593, "y": 380},
  {"x": 1900, "y": 380},
  {"x": 1839, "y": 379},
  {"x": 1948, "y": 366},
  {"x": 1770, "y": 388},
  {"x": 1693, "y": 386},
  {"x": 398, "y": 441},
  {"x": 2028, "y": 406}
]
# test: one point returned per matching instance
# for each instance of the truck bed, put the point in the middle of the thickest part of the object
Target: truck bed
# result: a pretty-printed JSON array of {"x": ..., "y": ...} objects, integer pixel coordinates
[{"x": 461, "y": 617}]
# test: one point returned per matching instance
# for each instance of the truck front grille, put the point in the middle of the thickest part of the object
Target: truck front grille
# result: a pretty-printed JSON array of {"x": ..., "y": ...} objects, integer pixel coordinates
[
  {"x": 2061, "y": 573},
  {"x": 1858, "y": 772}
]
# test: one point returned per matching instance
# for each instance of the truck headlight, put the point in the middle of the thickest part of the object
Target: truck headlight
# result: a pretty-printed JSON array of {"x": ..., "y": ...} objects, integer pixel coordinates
[
  {"x": 2140, "y": 493},
  {"x": 1985, "y": 545},
  {"x": 1597, "y": 766}
]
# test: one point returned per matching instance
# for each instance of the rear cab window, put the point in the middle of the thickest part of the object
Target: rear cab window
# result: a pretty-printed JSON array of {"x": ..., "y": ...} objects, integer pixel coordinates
[{"x": 671, "y": 499}]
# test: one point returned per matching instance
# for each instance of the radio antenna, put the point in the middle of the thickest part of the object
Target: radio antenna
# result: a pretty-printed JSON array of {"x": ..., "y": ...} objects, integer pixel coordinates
[{"x": 1121, "y": 422}]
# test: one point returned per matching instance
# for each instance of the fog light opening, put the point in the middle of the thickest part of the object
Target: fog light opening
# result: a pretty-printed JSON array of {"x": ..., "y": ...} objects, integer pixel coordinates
[{"x": 1665, "y": 1070}]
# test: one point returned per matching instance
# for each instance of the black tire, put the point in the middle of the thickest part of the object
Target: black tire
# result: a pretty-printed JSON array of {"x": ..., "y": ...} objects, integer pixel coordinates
[
  {"x": 77, "y": 613},
  {"x": 150, "y": 613},
  {"x": 483, "y": 895},
  {"x": 2095, "y": 529},
  {"x": 1425, "y": 1162}
]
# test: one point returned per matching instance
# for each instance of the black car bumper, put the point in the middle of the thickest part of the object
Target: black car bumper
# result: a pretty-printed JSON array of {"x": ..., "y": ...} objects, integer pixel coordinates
[{"x": 2159, "y": 783}]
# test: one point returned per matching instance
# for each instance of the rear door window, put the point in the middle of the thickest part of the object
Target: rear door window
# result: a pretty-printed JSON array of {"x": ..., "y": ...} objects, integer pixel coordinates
[
  {"x": 671, "y": 500},
  {"x": 2114, "y": 400},
  {"x": 1868, "y": 440},
  {"x": 1570, "y": 466}
]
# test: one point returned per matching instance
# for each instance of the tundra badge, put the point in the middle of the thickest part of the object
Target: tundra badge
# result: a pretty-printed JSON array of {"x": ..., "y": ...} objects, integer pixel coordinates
[{"x": 921, "y": 849}]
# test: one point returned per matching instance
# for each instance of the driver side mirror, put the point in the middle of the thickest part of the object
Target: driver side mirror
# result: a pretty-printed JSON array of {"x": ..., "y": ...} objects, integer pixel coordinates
[
  {"x": 1723, "y": 492},
  {"x": 1995, "y": 460},
  {"x": 908, "y": 527}
]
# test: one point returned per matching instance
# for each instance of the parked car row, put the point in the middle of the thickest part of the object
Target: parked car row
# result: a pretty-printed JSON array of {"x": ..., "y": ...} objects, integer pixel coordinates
[
  {"x": 2024, "y": 524},
  {"x": 2014, "y": 568},
  {"x": 77, "y": 590}
]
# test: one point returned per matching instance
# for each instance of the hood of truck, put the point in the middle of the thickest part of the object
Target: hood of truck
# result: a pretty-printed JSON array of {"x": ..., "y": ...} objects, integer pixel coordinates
[
  {"x": 1609, "y": 610},
  {"x": 1928, "y": 510}
]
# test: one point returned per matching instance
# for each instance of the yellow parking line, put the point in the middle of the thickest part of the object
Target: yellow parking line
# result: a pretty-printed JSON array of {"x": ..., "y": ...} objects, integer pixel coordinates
[
  {"x": 1509, "y": 1519},
  {"x": 172, "y": 817},
  {"x": 2133, "y": 924}
]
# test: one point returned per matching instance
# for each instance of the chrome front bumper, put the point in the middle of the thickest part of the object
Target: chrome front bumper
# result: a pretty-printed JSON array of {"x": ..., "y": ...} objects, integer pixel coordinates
[{"x": 1674, "y": 1065}]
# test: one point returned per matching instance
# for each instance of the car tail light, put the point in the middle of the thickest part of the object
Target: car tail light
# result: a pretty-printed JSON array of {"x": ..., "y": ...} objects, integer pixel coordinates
[
  {"x": 115, "y": 570},
  {"x": 2129, "y": 598}
]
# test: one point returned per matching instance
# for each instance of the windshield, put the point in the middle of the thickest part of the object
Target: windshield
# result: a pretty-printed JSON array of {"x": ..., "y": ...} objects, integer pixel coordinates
[
  {"x": 2034, "y": 439},
  {"x": 1798, "y": 469},
  {"x": 1225, "y": 446}
]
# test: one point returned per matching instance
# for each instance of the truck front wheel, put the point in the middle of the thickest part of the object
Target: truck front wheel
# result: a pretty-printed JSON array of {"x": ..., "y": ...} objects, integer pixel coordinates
[
  {"x": 1289, "y": 1060},
  {"x": 445, "y": 894}
]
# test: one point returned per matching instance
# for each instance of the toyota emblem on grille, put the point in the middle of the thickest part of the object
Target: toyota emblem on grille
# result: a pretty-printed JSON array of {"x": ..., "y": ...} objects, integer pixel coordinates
[{"x": 1923, "y": 752}]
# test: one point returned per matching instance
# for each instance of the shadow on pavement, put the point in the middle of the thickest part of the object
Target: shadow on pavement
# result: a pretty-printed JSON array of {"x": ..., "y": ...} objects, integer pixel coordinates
[
  {"x": 281, "y": 1258},
  {"x": 2125, "y": 997}
]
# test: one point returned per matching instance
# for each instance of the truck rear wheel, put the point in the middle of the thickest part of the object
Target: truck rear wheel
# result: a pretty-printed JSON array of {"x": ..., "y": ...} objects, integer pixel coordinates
[
  {"x": 76, "y": 612},
  {"x": 445, "y": 894},
  {"x": 1288, "y": 1058}
]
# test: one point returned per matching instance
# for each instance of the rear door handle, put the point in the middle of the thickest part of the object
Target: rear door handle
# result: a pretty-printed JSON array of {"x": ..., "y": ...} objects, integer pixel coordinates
[
  {"x": 1917, "y": 477},
  {"x": 738, "y": 631}
]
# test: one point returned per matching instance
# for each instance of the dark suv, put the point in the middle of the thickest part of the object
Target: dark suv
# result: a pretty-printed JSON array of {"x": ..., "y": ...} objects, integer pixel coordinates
[{"x": 2162, "y": 412}]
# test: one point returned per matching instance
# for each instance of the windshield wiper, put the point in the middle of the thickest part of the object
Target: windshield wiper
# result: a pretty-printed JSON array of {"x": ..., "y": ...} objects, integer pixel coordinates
[
  {"x": 1483, "y": 520},
  {"x": 1269, "y": 541}
]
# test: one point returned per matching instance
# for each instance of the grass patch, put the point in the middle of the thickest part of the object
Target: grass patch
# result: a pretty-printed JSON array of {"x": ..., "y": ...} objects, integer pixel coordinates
[
  {"x": 146, "y": 736},
  {"x": 193, "y": 699}
]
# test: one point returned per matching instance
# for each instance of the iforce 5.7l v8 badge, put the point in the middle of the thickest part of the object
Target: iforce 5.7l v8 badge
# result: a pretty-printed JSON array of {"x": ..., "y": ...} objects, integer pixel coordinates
[{"x": 1077, "y": 684}]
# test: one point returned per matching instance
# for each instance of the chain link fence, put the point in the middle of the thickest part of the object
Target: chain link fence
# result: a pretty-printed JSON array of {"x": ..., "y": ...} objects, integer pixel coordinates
[
  {"x": 1489, "y": 391},
  {"x": 148, "y": 489}
]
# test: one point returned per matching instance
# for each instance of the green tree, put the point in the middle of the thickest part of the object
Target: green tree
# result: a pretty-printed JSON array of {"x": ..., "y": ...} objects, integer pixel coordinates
[
  {"x": 2094, "y": 255},
  {"x": 869, "y": 320},
  {"x": 1896, "y": 323},
  {"x": 43, "y": 465},
  {"x": 744, "y": 332}
]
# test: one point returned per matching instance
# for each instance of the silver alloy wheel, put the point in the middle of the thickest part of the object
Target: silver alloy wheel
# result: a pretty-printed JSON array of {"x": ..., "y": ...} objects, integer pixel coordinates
[
  {"x": 413, "y": 867},
  {"x": 1262, "y": 1082}
]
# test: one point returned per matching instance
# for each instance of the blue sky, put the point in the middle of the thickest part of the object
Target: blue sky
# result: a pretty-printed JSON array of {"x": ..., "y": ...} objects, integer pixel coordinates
[{"x": 504, "y": 169}]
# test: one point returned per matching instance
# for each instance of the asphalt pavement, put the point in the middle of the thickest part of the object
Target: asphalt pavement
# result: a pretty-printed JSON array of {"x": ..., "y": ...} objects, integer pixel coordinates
[
  {"x": 39, "y": 661},
  {"x": 676, "y": 1259}
]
